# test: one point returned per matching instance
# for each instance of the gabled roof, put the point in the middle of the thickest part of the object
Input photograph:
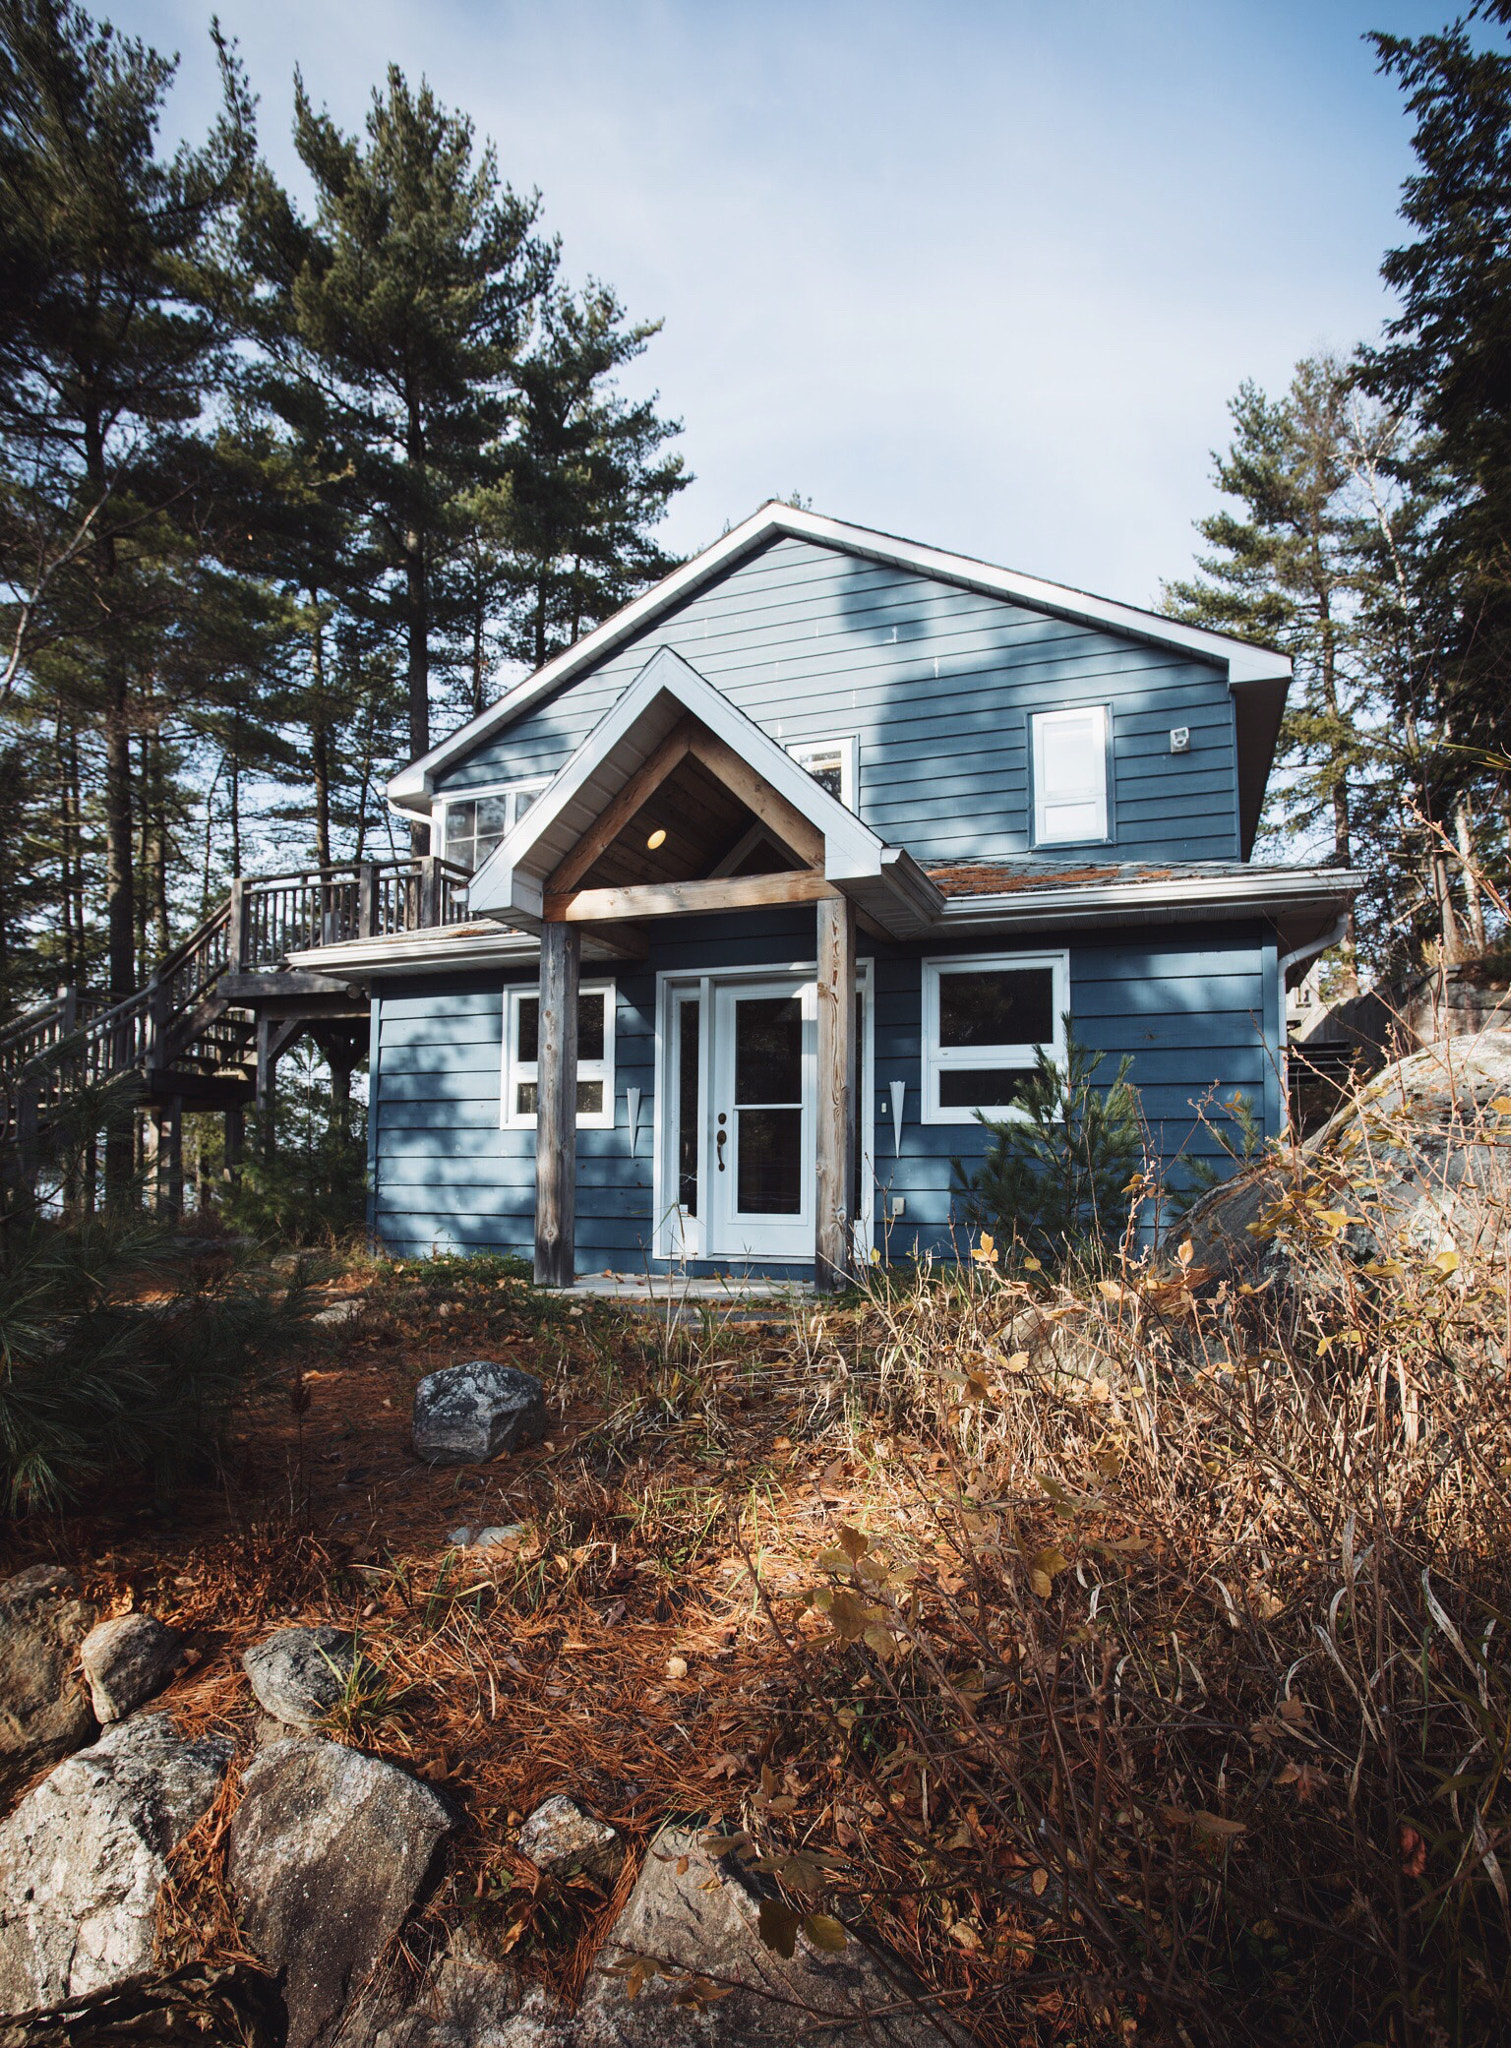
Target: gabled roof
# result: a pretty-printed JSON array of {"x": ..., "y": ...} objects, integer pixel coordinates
[
  {"x": 510, "y": 884},
  {"x": 1257, "y": 676}
]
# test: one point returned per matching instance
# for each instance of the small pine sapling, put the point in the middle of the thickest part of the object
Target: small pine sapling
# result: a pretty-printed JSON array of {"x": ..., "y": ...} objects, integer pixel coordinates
[{"x": 1055, "y": 1178}]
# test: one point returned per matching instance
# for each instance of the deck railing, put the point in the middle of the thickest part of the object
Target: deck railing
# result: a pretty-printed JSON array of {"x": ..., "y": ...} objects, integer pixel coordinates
[{"x": 80, "y": 1038}]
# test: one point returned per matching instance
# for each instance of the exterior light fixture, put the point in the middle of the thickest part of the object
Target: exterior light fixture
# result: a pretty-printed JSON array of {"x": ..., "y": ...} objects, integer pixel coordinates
[{"x": 657, "y": 838}]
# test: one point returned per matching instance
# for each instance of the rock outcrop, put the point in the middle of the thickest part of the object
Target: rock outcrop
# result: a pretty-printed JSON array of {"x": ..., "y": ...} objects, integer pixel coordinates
[
  {"x": 299, "y": 1674},
  {"x": 44, "y": 1711},
  {"x": 697, "y": 1912},
  {"x": 328, "y": 1853},
  {"x": 466, "y": 1414},
  {"x": 83, "y": 1858},
  {"x": 1422, "y": 1159},
  {"x": 126, "y": 1660}
]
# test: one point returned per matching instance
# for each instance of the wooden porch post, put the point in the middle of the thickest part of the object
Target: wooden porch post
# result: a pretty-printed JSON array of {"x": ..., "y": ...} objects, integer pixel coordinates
[
  {"x": 556, "y": 1108},
  {"x": 834, "y": 1246}
]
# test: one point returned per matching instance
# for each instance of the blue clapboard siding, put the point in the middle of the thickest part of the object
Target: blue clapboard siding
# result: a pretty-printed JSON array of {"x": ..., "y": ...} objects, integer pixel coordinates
[
  {"x": 937, "y": 684},
  {"x": 1194, "y": 1006}
]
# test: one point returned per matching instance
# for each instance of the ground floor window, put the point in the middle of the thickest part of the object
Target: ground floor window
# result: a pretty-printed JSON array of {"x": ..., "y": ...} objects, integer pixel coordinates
[
  {"x": 595, "y": 1057},
  {"x": 984, "y": 1019}
]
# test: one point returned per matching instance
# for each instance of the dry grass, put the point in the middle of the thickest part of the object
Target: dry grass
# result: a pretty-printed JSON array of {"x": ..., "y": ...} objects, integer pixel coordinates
[{"x": 1129, "y": 1658}]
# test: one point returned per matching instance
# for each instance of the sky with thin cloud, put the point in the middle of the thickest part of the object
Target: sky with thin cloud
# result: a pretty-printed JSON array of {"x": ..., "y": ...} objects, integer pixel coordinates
[{"x": 984, "y": 275}]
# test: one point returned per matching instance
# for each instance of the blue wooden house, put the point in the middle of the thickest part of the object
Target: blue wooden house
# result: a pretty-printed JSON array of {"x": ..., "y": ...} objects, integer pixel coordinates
[{"x": 786, "y": 871}]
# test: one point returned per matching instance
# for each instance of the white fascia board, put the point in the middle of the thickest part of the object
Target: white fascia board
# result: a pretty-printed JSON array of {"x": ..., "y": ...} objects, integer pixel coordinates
[
  {"x": 1243, "y": 662},
  {"x": 1254, "y": 891},
  {"x": 510, "y": 883}
]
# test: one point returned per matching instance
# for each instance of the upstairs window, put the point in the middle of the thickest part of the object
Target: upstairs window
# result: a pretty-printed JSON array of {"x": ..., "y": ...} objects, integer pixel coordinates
[
  {"x": 1069, "y": 775},
  {"x": 984, "y": 1020},
  {"x": 831, "y": 763},
  {"x": 595, "y": 1058},
  {"x": 473, "y": 825}
]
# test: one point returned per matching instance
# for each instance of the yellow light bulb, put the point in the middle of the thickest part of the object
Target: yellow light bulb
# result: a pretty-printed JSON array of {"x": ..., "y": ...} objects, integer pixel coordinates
[{"x": 657, "y": 838}]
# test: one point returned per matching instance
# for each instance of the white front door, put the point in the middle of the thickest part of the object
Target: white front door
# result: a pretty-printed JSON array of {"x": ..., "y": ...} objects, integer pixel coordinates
[{"x": 760, "y": 1158}]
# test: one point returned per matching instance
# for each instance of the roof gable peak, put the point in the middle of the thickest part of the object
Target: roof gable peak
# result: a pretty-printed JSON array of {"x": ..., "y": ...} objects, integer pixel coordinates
[{"x": 1247, "y": 666}]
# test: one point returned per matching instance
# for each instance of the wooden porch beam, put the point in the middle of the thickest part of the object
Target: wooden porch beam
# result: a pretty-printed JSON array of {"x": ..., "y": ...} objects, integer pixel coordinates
[
  {"x": 834, "y": 1250},
  {"x": 687, "y": 899},
  {"x": 556, "y": 1108},
  {"x": 639, "y": 790},
  {"x": 624, "y": 941},
  {"x": 757, "y": 795}
]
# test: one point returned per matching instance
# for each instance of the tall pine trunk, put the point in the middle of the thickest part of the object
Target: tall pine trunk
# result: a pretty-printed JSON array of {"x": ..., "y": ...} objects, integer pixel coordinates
[
  {"x": 417, "y": 591},
  {"x": 320, "y": 756}
]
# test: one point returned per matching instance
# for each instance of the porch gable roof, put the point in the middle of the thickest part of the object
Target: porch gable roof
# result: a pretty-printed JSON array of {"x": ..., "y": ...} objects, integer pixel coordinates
[{"x": 884, "y": 881}]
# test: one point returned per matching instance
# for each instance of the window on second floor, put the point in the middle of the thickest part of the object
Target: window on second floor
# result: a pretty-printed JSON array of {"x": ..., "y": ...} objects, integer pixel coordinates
[
  {"x": 1069, "y": 771},
  {"x": 830, "y": 762},
  {"x": 471, "y": 826}
]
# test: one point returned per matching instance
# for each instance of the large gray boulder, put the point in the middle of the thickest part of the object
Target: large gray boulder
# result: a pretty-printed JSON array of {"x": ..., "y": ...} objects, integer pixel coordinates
[
  {"x": 1422, "y": 1158},
  {"x": 328, "y": 1852},
  {"x": 298, "y": 1674},
  {"x": 83, "y": 1858},
  {"x": 44, "y": 1711},
  {"x": 465, "y": 1414},
  {"x": 699, "y": 1913},
  {"x": 126, "y": 1660}
]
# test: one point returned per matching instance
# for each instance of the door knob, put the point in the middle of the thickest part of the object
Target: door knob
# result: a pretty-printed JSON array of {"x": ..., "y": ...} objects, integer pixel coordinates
[{"x": 719, "y": 1140}]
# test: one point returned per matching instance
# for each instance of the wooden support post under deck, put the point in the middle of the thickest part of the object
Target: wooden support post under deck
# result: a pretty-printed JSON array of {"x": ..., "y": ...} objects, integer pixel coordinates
[
  {"x": 267, "y": 1080},
  {"x": 166, "y": 1131},
  {"x": 834, "y": 1241},
  {"x": 556, "y": 1108},
  {"x": 235, "y": 1130}
]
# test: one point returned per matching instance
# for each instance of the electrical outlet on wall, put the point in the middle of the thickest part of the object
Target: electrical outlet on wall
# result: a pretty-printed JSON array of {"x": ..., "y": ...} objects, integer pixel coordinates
[{"x": 1180, "y": 739}]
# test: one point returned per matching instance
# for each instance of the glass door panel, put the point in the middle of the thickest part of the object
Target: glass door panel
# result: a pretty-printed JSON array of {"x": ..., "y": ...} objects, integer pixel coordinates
[{"x": 762, "y": 1194}]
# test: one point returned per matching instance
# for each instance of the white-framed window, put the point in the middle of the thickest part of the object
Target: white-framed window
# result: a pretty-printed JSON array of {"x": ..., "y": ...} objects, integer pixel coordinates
[
  {"x": 595, "y": 1057},
  {"x": 474, "y": 823},
  {"x": 984, "y": 1019},
  {"x": 831, "y": 762},
  {"x": 1070, "y": 774}
]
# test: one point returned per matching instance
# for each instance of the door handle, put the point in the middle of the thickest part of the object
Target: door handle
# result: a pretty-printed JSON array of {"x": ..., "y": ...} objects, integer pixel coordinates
[{"x": 720, "y": 1136}]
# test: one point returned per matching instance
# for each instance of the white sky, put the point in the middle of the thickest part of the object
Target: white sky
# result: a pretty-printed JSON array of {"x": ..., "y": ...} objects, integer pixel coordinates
[{"x": 984, "y": 275}]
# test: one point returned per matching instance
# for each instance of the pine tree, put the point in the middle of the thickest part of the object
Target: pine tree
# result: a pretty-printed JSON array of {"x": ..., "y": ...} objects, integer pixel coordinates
[
  {"x": 1446, "y": 362},
  {"x": 1286, "y": 572},
  {"x": 1055, "y": 1178},
  {"x": 392, "y": 318},
  {"x": 1446, "y": 357},
  {"x": 588, "y": 478},
  {"x": 110, "y": 344}
]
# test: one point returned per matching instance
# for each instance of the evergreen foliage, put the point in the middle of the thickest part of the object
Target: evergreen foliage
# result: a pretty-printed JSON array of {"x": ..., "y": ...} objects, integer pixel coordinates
[
  {"x": 304, "y": 1181},
  {"x": 1446, "y": 358},
  {"x": 277, "y": 482},
  {"x": 1055, "y": 1179}
]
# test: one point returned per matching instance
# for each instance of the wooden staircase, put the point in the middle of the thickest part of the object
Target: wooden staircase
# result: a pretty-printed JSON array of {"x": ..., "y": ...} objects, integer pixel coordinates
[{"x": 207, "y": 1029}]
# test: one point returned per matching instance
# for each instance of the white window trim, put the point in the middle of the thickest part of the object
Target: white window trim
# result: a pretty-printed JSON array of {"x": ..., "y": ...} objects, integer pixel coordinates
[
  {"x": 847, "y": 746},
  {"x": 533, "y": 784},
  {"x": 938, "y": 1058},
  {"x": 1037, "y": 721},
  {"x": 515, "y": 1071}
]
